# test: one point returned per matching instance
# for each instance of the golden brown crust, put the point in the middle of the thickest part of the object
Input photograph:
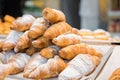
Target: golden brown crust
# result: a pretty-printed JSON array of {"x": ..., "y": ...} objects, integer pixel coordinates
[
  {"x": 9, "y": 18},
  {"x": 41, "y": 42},
  {"x": 8, "y": 46},
  {"x": 57, "y": 29},
  {"x": 23, "y": 23},
  {"x": 53, "y": 15},
  {"x": 38, "y": 28},
  {"x": 71, "y": 51},
  {"x": 32, "y": 50},
  {"x": 50, "y": 51},
  {"x": 1, "y": 44},
  {"x": 51, "y": 69},
  {"x": 23, "y": 42},
  {"x": 115, "y": 75}
]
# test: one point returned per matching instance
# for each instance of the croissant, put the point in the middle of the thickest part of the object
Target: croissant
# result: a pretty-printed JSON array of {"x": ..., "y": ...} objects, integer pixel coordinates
[
  {"x": 1, "y": 45},
  {"x": 50, "y": 69},
  {"x": 38, "y": 27},
  {"x": 23, "y": 42},
  {"x": 15, "y": 65},
  {"x": 32, "y": 50},
  {"x": 71, "y": 51},
  {"x": 57, "y": 29},
  {"x": 49, "y": 51},
  {"x": 81, "y": 65},
  {"x": 41, "y": 42},
  {"x": 23, "y": 23},
  {"x": 11, "y": 40},
  {"x": 94, "y": 52},
  {"x": 9, "y": 18},
  {"x": 75, "y": 31},
  {"x": 33, "y": 63},
  {"x": 53, "y": 15},
  {"x": 85, "y": 32},
  {"x": 6, "y": 56},
  {"x": 18, "y": 62},
  {"x": 115, "y": 75},
  {"x": 66, "y": 39},
  {"x": 4, "y": 71}
]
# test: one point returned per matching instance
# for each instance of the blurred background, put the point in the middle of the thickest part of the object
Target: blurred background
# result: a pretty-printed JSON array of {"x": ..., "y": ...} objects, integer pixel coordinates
[{"x": 90, "y": 14}]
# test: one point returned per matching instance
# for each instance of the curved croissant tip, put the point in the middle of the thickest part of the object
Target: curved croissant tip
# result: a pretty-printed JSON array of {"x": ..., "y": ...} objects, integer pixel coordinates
[{"x": 54, "y": 41}]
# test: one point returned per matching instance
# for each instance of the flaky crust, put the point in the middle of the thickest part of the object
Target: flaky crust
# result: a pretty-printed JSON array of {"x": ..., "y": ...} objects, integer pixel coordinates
[{"x": 53, "y": 15}]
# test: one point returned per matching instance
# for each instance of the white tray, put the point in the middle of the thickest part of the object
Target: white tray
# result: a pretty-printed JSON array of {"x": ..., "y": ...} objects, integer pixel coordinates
[{"x": 112, "y": 64}]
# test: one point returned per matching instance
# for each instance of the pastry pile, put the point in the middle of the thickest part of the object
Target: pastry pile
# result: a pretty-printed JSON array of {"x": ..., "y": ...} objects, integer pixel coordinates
[{"x": 46, "y": 47}]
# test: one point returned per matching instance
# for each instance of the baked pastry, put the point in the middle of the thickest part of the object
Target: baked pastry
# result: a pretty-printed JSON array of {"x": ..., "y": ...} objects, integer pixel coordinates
[
  {"x": 4, "y": 71},
  {"x": 38, "y": 27},
  {"x": 99, "y": 32},
  {"x": 35, "y": 61},
  {"x": 1, "y": 45},
  {"x": 9, "y": 18},
  {"x": 15, "y": 65},
  {"x": 50, "y": 51},
  {"x": 102, "y": 37},
  {"x": 6, "y": 26},
  {"x": 69, "y": 52},
  {"x": 41, "y": 42},
  {"x": 81, "y": 65},
  {"x": 32, "y": 50},
  {"x": 66, "y": 39},
  {"x": 75, "y": 31},
  {"x": 11, "y": 40},
  {"x": 18, "y": 62},
  {"x": 6, "y": 56},
  {"x": 23, "y": 23},
  {"x": 94, "y": 52},
  {"x": 53, "y": 15},
  {"x": 115, "y": 75},
  {"x": 88, "y": 37},
  {"x": 23, "y": 42},
  {"x": 50, "y": 69},
  {"x": 85, "y": 32},
  {"x": 57, "y": 29}
]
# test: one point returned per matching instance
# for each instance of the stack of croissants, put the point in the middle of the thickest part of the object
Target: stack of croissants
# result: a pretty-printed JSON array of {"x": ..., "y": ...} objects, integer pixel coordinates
[{"x": 46, "y": 47}]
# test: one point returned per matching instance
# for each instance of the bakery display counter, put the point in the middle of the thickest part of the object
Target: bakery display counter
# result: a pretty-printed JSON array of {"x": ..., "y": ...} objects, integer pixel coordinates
[{"x": 49, "y": 48}]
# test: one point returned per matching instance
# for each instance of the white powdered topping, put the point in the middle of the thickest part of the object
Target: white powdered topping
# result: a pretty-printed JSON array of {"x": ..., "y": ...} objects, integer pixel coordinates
[
  {"x": 35, "y": 62},
  {"x": 13, "y": 37},
  {"x": 26, "y": 19},
  {"x": 85, "y": 30},
  {"x": 99, "y": 31},
  {"x": 69, "y": 73},
  {"x": 80, "y": 66},
  {"x": 21, "y": 60},
  {"x": 9, "y": 55},
  {"x": 39, "y": 69},
  {"x": 2, "y": 57},
  {"x": 88, "y": 61},
  {"x": 39, "y": 22},
  {"x": 68, "y": 36}
]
